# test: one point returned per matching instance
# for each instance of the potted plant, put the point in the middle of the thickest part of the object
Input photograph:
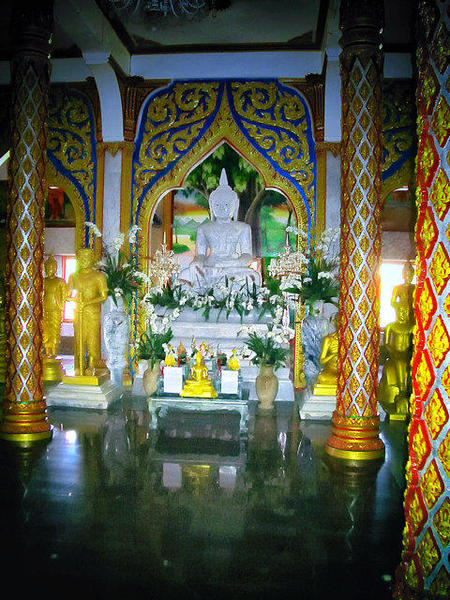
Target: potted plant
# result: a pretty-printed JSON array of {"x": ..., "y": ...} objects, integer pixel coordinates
[
  {"x": 269, "y": 348},
  {"x": 153, "y": 344}
]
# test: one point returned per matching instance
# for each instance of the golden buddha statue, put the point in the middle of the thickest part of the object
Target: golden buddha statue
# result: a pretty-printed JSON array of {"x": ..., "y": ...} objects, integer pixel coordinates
[
  {"x": 403, "y": 294},
  {"x": 233, "y": 363},
  {"x": 169, "y": 359},
  {"x": 199, "y": 385},
  {"x": 326, "y": 383},
  {"x": 395, "y": 386},
  {"x": 90, "y": 289},
  {"x": 55, "y": 293}
]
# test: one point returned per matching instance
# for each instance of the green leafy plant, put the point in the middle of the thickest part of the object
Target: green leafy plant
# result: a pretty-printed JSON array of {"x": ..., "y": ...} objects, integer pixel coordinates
[
  {"x": 152, "y": 345},
  {"x": 268, "y": 346}
]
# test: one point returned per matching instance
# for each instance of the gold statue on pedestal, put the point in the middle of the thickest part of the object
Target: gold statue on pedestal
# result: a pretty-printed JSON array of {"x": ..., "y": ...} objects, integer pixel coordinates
[
  {"x": 55, "y": 293},
  {"x": 90, "y": 289},
  {"x": 233, "y": 362},
  {"x": 395, "y": 385},
  {"x": 326, "y": 384},
  {"x": 199, "y": 385}
]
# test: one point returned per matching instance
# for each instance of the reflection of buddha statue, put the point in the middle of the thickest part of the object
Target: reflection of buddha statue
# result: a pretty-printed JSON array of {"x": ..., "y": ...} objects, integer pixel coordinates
[
  {"x": 326, "y": 383},
  {"x": 55, "y": 292},
  {"x": 223, "y": 247},
  {"x": 91, "y": 290},
  {"x": 395, "y": 385},
  {"x": 199, "y": 385}
]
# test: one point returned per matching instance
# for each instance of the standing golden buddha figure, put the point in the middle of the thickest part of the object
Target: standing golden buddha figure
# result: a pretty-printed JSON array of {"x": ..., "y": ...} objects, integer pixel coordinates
[
  {"x": 87, "y": 286},
  {"x": 55, "y": 293},
  {"x": 395, "y": 385}
]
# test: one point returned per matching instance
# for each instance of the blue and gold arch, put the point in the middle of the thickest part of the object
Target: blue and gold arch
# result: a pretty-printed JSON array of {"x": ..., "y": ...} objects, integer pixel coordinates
[
  {"x": 267, "y": 122},
  {"x": 72, "y": 154},
  {"x": 399, "y": 135}
]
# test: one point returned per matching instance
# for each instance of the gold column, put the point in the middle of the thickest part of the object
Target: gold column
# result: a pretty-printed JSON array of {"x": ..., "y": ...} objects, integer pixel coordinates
[
  {"x": 24, "y": 415},
  {"x": 424, "y": 571},
  {"x": 355, "y": 433}
]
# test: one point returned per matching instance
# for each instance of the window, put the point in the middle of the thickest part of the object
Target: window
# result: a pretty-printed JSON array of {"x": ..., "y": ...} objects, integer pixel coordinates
[{"x": 69, "y": 264}]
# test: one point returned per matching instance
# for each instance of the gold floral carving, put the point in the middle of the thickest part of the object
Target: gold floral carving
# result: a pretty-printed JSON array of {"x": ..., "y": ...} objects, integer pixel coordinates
[
  {"x": 438, "y": 342},
  {"x": 428, "y": 552},
  {"x": 440, "y": 194},
  {"x": 431, "y": 485},
  {"x": 441, "y": 521},
  {"x": 440, "y": 123},
  {"x": 436, "y": 414},
  {"x": 440, "y": 268},
  {"x": 444, "y": 453}
]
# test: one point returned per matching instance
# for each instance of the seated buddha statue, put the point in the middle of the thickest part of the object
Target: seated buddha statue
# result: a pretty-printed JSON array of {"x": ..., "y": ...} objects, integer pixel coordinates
[
  {"x": 326, "y": 383},
  {"x": 223, "y": 246},
  {"x": 395, "y": 388},
  {"x": 198, "y": 385}
]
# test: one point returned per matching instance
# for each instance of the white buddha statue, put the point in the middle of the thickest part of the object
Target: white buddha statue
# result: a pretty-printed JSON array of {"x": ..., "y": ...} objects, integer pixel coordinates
[{"x": 223, "y": 246}]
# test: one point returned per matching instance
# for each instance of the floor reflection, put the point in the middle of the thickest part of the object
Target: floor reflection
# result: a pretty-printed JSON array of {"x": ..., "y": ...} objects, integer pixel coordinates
[{"x": 110, "y": 507}]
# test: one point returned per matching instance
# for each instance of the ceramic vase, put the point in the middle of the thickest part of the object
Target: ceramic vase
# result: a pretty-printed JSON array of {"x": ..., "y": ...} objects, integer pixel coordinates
[
  {"x": 150, "y": 378},
  {"x": 266, "y": 387}
]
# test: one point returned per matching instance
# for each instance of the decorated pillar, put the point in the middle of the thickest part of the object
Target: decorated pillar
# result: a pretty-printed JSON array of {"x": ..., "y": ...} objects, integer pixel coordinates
[
  {"x": 424, "y": 570},
  {"x": 355, "y": 433},
  {"x": 24, "y": 416}
]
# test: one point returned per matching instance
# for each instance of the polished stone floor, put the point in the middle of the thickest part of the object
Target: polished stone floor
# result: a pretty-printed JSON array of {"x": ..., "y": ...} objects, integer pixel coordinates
[{"x": 110, "y": 509}]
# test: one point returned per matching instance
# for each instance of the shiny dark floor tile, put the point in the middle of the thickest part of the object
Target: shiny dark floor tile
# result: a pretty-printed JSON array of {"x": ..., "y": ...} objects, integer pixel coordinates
[{"x": 111, "y": 509}]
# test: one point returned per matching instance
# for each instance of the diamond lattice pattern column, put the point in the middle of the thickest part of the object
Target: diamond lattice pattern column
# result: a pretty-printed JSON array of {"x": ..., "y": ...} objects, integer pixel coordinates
[
  {"x": 355, "y": 420},
  {"x": 24, "y": 416},
  {"x": 426, "y": 538}
]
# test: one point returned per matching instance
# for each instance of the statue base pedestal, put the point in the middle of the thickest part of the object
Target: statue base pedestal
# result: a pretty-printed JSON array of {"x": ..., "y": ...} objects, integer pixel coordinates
[
  {"x": 83, "y": 395},
  {"x": 52, "y": 369},
  {"x": 316, "y": 408},
  {"x": 85, "y": 379}
]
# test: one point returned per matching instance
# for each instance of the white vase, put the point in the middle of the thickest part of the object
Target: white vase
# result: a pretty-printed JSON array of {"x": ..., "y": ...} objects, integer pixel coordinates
[{"x": 116, "y": 333}]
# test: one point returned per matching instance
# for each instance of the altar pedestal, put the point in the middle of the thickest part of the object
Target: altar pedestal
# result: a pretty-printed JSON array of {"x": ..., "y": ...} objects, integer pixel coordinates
[
  {"x": 316, "y": 408},
  {"x": 84, "y": 396},
  {"x": 160, "y": 405},
  {"x": 222, "y": 332}
]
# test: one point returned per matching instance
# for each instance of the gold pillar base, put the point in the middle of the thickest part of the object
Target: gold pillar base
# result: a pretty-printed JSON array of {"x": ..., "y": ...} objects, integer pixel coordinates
[
  {"x": 25, "y": 426},
  {"x": 355, "y": 439},
  {"x": 52, "y": 369}
]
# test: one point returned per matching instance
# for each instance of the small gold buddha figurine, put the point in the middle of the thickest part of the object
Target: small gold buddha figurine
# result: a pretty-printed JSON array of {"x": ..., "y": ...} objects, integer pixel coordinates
[
  {"x": 233, "y": 363},
  {"x": 181, "y": 350},
  {"x": 326, "y": 384},
  {"x": 90, "y": 289},
  {"x": 54, "y": 297},
  {"x": 199, "y": 385},
  {"x": 170, "y": 360},
  {"x": 395, "y": 388}
]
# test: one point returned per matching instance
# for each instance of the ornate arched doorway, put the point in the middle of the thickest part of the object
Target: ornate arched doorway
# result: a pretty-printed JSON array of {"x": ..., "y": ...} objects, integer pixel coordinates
[{"x": 267, "y": 122}]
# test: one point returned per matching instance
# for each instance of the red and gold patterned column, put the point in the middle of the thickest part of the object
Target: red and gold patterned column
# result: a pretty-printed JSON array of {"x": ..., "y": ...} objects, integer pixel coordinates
[
  {"x": 424, "y": 570},
  {"x": 24, "y": 416},
  {"x": 355, "y": 433}
]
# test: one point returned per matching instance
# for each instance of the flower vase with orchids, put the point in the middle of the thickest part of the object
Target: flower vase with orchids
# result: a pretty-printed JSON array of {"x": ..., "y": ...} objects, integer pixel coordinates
[{"x": 269, "y": 347}]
